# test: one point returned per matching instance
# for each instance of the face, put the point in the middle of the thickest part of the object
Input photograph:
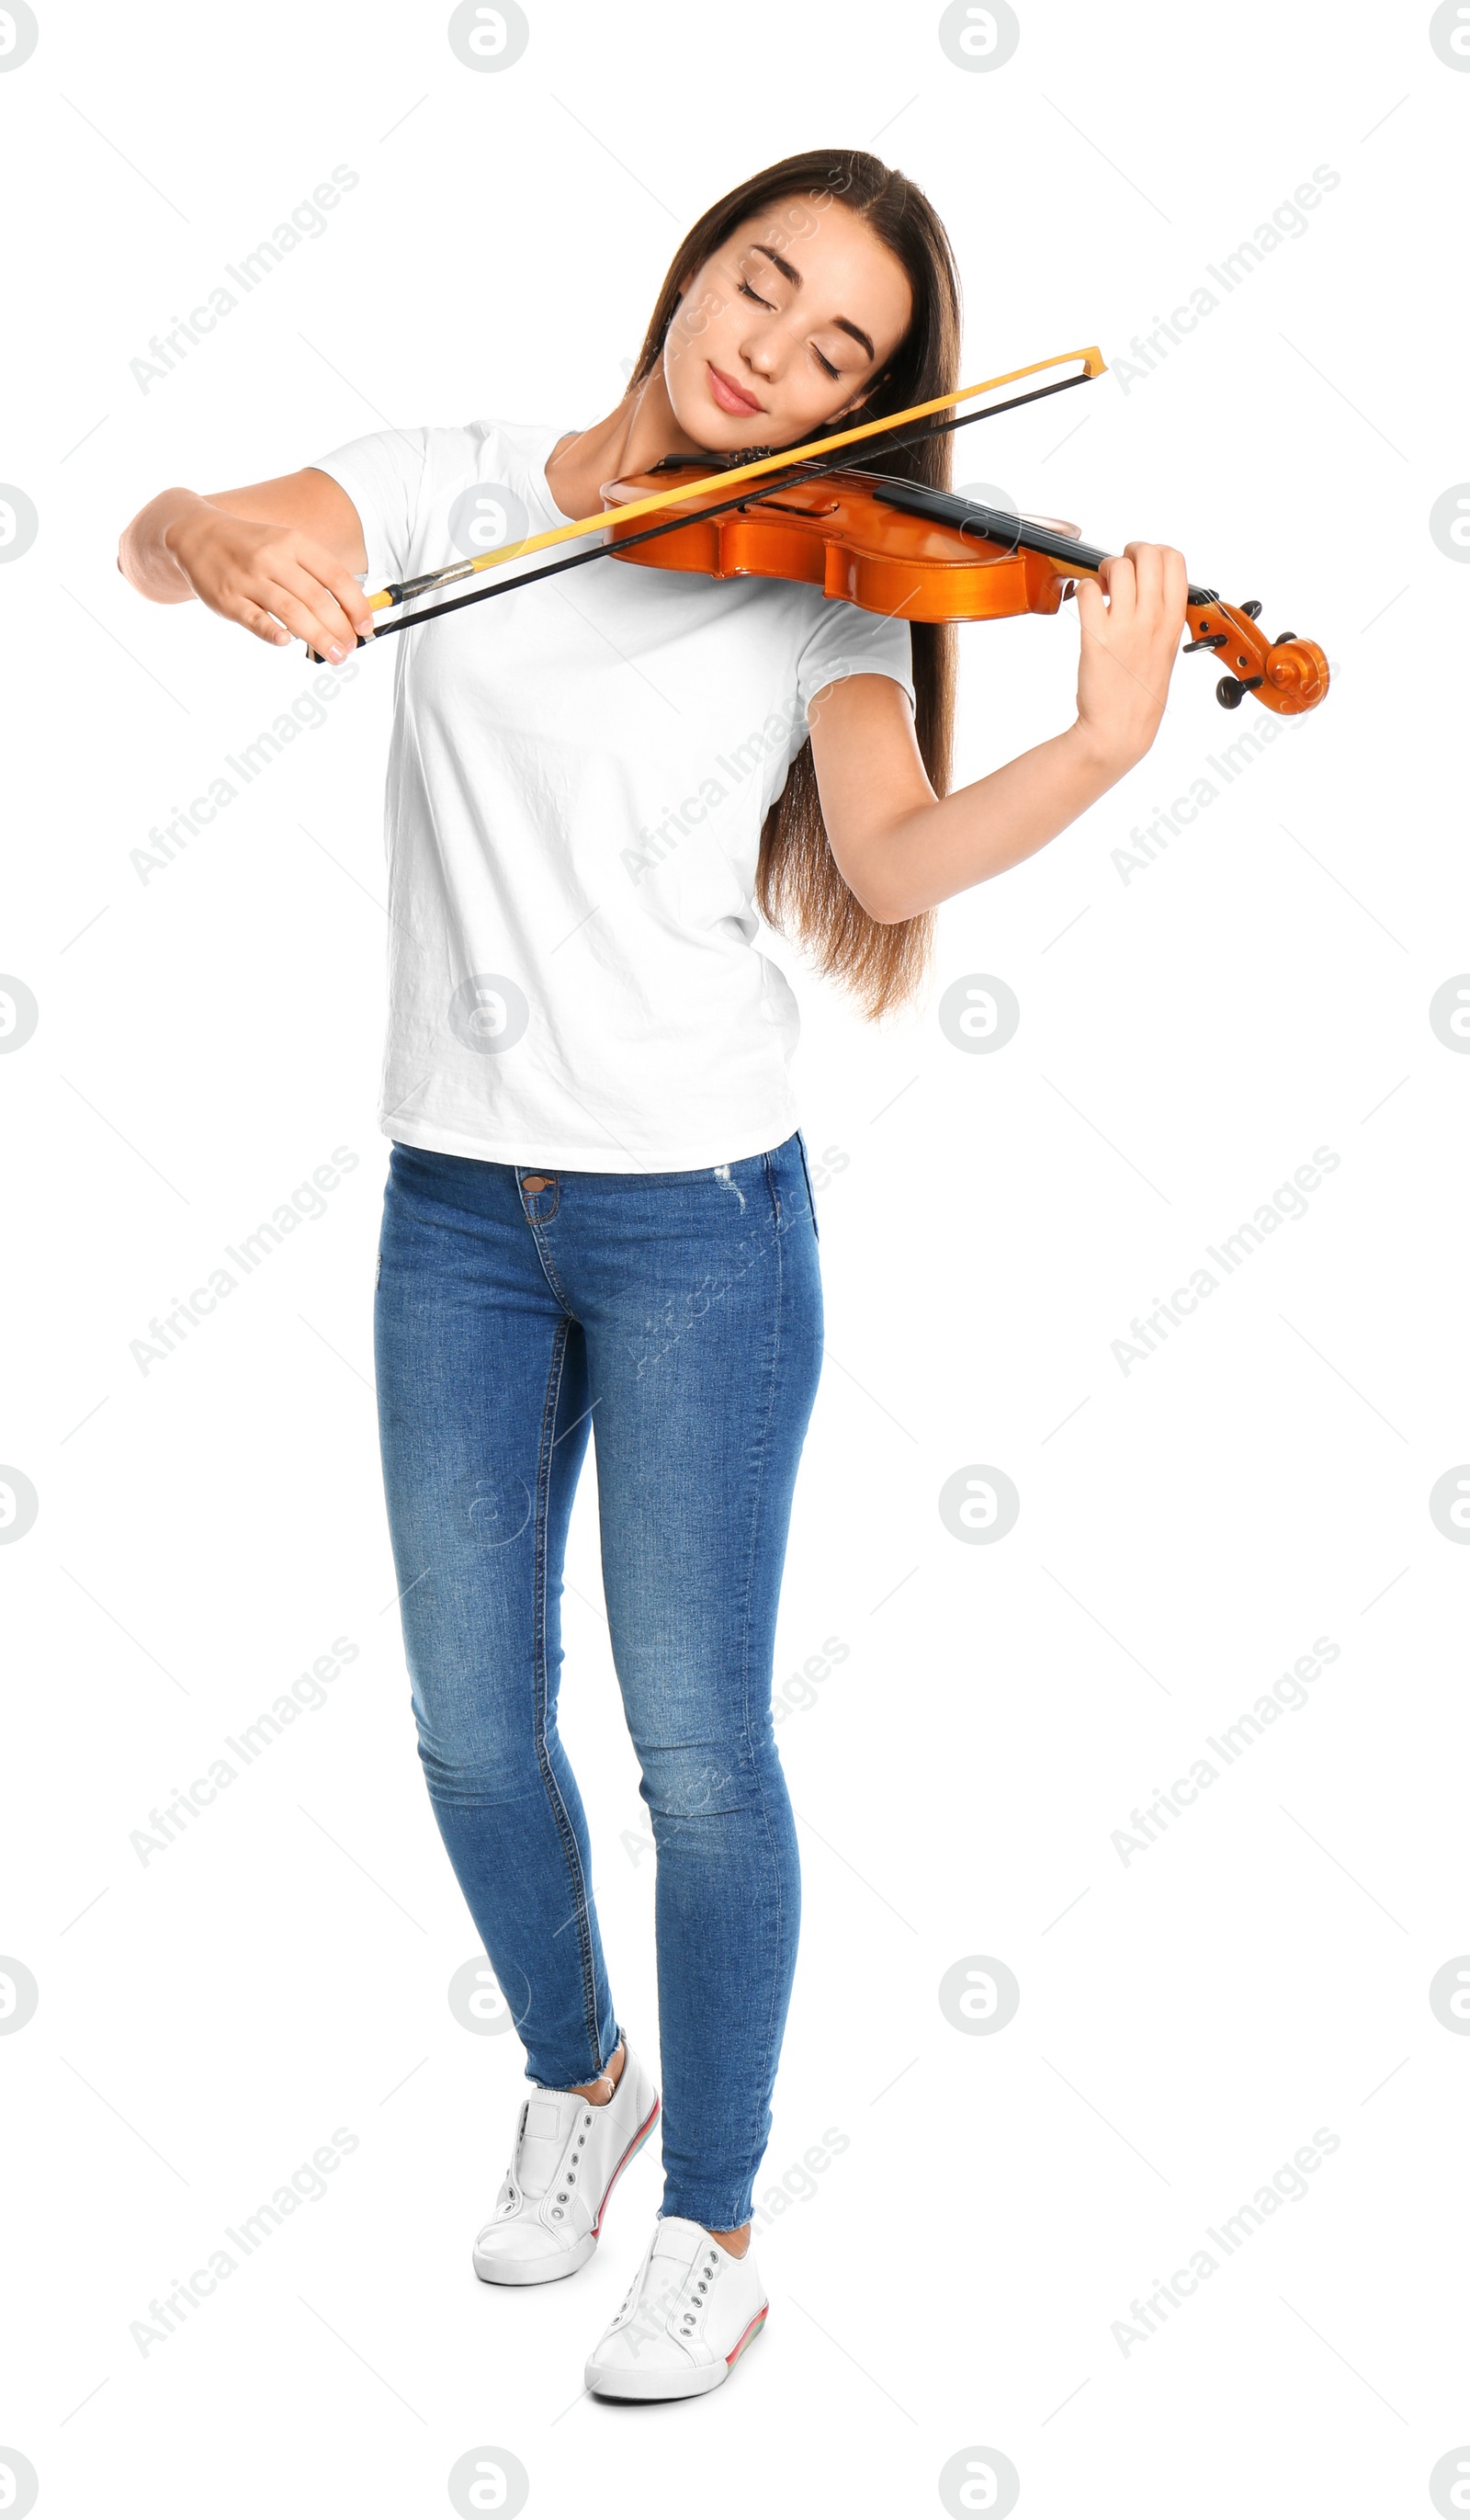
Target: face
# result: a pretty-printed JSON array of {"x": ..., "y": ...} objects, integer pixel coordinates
[{"x": 785, "y": 327}]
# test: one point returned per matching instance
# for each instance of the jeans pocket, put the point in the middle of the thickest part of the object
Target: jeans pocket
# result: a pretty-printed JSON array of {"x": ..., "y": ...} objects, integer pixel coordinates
[{"x": 807, "y": 1178}]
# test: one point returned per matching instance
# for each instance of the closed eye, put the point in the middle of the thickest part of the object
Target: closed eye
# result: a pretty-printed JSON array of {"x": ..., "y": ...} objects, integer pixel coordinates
[{"x": 825, "y": 364}]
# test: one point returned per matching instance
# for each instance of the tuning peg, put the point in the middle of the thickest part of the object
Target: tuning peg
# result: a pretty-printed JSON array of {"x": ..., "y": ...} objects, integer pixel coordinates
[
  {"x": 1230, "y": 694},
  {"x": 1251, "y": 610},
  {"x": 1283, "y": 639},
  {"x": 1216, "y": 638}
]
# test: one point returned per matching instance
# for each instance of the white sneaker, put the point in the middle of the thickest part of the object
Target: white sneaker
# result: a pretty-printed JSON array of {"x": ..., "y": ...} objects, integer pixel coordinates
[
  {"x": 568, "y": 2160},
  {"x": 689, "y": 2314}
]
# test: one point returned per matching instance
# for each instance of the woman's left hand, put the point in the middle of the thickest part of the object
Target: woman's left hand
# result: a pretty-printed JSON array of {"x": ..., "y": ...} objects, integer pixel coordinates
[{"x": 1130, "y": 617}]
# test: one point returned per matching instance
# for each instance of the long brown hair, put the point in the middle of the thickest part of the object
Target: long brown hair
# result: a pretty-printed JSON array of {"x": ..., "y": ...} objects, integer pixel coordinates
[{"x": 798, "y": 886}]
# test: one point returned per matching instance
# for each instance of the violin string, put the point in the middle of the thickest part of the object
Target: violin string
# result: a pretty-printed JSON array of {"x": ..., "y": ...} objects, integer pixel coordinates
[{"x": 801, "y": 472}]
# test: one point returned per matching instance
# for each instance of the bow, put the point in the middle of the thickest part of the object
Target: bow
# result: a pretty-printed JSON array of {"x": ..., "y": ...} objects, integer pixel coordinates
[{"x": 1087, "y": 364}]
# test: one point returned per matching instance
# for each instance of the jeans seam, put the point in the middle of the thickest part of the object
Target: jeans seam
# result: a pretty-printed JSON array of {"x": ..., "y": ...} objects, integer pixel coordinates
[
  {"x": 542, "y": 1760},
  {"x": 805, "y": 1174},
  {"x": 779, "y": 1934},
  {"x": 547, "y": 1269}
]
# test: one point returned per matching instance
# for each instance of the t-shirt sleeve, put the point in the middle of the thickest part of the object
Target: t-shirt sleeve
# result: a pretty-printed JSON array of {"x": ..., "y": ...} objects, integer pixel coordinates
[
  {"x": 383, "y": 476},
  {"x": 848, "y": 641}
]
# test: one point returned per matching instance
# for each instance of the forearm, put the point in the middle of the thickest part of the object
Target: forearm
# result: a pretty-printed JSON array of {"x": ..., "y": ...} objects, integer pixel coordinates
[
  {"x": 900, "y": 849},
  {"x": 947, "y": 844},
  {"x": 143, "y": 554}
]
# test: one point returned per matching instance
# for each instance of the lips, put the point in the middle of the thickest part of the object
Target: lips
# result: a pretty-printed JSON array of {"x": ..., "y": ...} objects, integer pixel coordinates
[{"x": 729, "y": 396}]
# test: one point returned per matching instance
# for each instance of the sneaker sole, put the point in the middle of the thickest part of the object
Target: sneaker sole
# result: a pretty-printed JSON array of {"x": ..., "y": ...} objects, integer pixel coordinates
[
  {"x": 539, "y": 2270},
  {"x": 636, "y": 2145},
  {"x": 695, "y": 2382}
]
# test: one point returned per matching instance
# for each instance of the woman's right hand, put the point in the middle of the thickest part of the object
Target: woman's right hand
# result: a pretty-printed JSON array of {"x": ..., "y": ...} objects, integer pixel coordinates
[{"x": 274, "y": 579}]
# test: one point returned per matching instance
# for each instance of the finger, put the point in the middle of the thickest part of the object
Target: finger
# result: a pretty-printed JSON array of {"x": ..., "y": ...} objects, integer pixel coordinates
[
  {"x": 260, "y": 624},
  {"x": 1095, "y": 620},
  {"x": 1148, "y": 572},
  {"x": 300, "y": 580},
  {"x": 305, "y": 620},
  {"x": 1120, "y": 585},
  {"x": 340, "y": 584},
  {"x": 1175, "y": 584}
]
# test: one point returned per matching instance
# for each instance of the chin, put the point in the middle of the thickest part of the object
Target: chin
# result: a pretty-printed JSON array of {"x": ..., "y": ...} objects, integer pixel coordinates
[{"x": 720, "y": 430}]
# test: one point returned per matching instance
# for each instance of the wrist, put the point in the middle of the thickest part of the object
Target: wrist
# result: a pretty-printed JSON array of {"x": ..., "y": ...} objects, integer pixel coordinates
[
  {"x": 1101, "y": 758},
  {"x": 182, "y": 504}
]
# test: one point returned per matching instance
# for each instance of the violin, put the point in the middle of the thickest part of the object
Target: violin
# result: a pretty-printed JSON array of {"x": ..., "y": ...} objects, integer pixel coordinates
[
  {"x": 915, "y": 554},
  {"x": 888, "y": 545}
]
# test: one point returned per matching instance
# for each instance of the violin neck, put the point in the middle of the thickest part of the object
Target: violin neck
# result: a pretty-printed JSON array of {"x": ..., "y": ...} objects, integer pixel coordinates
[{"x": 999, "y": 525}]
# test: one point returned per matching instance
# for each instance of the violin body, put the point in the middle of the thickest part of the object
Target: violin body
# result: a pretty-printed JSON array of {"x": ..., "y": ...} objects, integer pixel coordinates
[
  {"x": 913, "y": 554},
  {"x": 838, "y": 535}
]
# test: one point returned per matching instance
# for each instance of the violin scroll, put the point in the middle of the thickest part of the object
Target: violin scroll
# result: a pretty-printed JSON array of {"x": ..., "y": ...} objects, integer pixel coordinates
[{"x": 1286, "y": 674}]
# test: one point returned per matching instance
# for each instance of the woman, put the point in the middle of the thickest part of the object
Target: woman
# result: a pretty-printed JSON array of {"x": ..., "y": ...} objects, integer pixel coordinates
[{"x": 598, "y": 1215}]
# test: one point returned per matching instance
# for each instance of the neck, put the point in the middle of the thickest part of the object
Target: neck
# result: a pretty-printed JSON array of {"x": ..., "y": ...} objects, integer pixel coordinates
[{"x": 632, "y": 439}]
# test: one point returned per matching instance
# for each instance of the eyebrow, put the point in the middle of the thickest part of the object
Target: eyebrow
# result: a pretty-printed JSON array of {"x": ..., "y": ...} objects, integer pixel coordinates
[{"x": 840, "y": 323}]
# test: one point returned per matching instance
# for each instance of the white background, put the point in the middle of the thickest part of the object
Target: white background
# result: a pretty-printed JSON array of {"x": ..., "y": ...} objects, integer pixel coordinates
[{"x": 989, "y": 1225}]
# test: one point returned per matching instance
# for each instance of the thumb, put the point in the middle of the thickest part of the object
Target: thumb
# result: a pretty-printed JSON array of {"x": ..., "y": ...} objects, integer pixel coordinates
[{"x": 1092, "y": 609}]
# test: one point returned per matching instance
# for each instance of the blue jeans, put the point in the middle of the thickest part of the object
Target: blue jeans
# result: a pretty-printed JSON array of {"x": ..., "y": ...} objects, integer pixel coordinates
[{"x": 677, "y": 1317}]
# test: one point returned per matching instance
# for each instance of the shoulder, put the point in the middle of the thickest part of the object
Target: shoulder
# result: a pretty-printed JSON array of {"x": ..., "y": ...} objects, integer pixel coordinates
[
  {"x": 524, "y": 438},
  {"x": 489, "y": 449}
]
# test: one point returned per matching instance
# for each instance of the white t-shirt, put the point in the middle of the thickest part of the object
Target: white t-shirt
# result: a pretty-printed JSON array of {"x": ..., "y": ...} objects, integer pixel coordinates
[{"x": 578, "y": 776}]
